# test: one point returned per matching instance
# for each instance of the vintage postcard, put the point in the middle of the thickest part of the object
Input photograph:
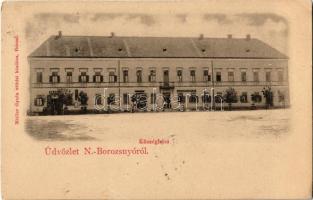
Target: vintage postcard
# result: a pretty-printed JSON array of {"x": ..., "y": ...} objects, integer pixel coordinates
[{"x": 157, "y": 100}]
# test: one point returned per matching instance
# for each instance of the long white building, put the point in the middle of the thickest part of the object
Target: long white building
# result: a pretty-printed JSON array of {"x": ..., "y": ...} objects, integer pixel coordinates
[{"x": 153, "y": 73}]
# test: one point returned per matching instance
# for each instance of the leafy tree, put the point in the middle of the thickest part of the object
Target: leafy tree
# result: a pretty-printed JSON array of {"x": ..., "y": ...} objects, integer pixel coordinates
[
  {"x": 230, "y": 97},
  {"x": 268, "y": 95},
  {"x": 56, "y": 101},
  {"x": 139, "y": 101},
  {"x": 83, "y": 98},
  {"x": 256, "y": 97},
  {"x": 66, "y": 97}
]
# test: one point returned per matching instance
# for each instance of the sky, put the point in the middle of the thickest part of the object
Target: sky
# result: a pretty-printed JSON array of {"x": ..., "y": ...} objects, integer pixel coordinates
[{"x": 268, "y": 27}]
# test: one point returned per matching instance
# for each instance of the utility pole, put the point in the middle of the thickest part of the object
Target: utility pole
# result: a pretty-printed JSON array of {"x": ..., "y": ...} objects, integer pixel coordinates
[
  {"x": 119, "y": 83},
  {"x": 213, "y": 98}
]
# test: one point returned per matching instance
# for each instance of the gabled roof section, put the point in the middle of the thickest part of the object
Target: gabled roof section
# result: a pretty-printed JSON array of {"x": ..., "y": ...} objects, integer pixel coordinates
[{"x": 154, "y": 47}]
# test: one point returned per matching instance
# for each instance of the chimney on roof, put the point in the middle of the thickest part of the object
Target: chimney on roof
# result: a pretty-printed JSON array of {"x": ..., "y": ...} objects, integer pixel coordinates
[
  {"x": 201, "y": 36},
  {"x": 112, "y": 34},
  {"x": 248, "y": 37},
  {"x": 59, "y": 35},
  {"x": 229, "y": 36},
  {"x": 67, "y": 50}
]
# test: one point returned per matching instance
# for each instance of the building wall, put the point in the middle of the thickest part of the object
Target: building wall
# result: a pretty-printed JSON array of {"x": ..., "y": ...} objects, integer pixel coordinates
[{"x": 76, "y": 65}]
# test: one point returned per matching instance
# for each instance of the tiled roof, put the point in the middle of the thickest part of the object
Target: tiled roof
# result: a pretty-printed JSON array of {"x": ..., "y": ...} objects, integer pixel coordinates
[{"x": 154, "y": 47}]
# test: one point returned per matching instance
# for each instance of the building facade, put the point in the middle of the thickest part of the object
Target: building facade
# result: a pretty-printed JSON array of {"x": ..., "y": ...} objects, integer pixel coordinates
[{"x": 99, "y": 74}]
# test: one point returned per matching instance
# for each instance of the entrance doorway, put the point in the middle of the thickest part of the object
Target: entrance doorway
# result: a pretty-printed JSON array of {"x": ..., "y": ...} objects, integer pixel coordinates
[{"x": 167, "y": 100}]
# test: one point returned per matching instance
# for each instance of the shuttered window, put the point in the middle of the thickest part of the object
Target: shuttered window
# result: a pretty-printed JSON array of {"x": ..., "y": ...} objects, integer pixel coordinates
[{"x": 54, "y": 78}]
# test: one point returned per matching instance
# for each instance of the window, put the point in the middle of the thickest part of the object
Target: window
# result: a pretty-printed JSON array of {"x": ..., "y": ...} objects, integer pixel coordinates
[
  {"x": 39, "y": 77},
  {"x": 256, "y": 76},
  {"x": 139, "y": 76},
  {"x": 112, "y": 77},
  {"x": 83, "y": 78},
  {"x": 98, "y": 99},
  {"x": 181, "y": 98},
  {"x": 166, "y": 76},
  {"x": 256, "y": 97},
  {"x": 39, "y": 101},
  {"x": 218, "y": 76},
  {"x": 76, "y": 95},
  {"x": 193, "y": 98},
  {"x": 243, "y": 76},
  {"x": 268, "y": 76},
  {"x": 68, "y": 77},
  {"x": 206, "y": 76},
  {"x": 230, "y": 76},
  {"x": 54, "y": 78},
  {"x": 152, "y": 76},
  {"x": 125, "y": 98},
  {"x": 125, "y": 76},
  {"x": 280, "y": 76},
  {"x": 244, "y": 97},
  {"x": 111, "y": 99},
  {"x": 97, "y": 78},
  {"x": 153, "y": 98},
  {"x": 193, "y": 75},
  {"x": 180, "y": 75},
  {"x": 281, "y": 96},
  {"x": 206, "y": 98}
]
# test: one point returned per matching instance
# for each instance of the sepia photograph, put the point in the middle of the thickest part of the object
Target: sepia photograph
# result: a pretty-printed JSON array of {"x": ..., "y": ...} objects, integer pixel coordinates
[
  {"x": 157, "y": 100},
  {"x": 208, "y": 71}
]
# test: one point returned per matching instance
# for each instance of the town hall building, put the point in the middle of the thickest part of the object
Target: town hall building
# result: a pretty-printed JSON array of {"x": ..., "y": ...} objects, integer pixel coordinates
[{"x": 114, "y": 73}]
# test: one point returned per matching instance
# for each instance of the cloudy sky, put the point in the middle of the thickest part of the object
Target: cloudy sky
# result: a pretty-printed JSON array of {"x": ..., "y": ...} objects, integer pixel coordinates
[{"x": 271, "y": 28}]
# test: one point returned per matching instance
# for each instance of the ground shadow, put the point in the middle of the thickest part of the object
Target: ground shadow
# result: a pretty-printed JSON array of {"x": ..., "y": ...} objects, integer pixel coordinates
[{"x": 55, "y": 130}]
